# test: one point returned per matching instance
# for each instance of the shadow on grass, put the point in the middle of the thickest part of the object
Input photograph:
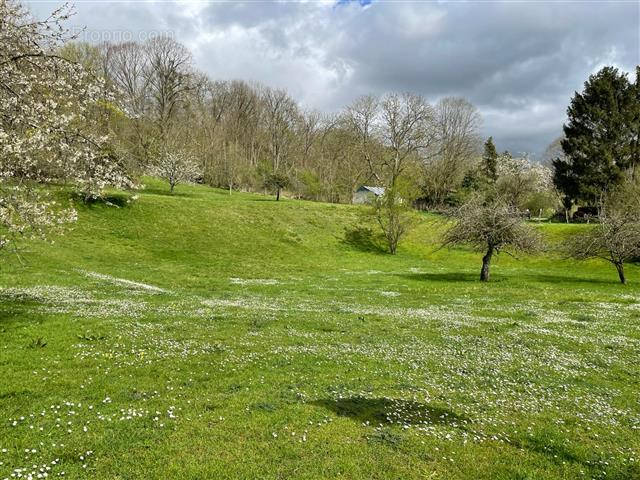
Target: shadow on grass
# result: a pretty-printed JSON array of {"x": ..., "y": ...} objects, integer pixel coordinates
[
  {"x": 166, "y": 193},
  {"x": 449, "y": 277},
  {"x": 547, "y": 278},
  {"x": 363, "y": 239},
  {"x": 463, "y": 277},
  {"x": 387, "y": 410},
  {"x": 18, "y": 313},
  {"x": 553, "y": 446},
  {"x": 264, "y": 198},
  {"x": 119, "y": 200}
]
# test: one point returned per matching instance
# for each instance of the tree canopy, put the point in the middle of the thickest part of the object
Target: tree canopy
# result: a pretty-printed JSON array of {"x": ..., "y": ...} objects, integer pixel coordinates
[
  {"x": 600, "y": 138},
  {"x": 491, "y": 226}
]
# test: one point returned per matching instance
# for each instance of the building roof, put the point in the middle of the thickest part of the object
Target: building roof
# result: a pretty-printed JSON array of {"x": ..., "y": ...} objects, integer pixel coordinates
[{"x": 377, "y": 191}]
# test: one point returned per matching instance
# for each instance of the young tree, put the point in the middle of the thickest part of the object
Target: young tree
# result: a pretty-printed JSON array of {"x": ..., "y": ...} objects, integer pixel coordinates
[
  {"x": 616, "y": 238},
  {"x": 490, "y": 160},
  {"x": 276, "y": 182},
  {"x": 51, "y": 123},
  {"x": 491, "y": 227},
  {"x": 599, "y": 137},
  {"x": 176, "y": 167},
  {"x": 394, "y": 214}
]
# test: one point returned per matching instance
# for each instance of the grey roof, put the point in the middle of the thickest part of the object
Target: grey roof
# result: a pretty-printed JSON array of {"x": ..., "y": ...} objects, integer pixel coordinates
[{"x": 377, "y": 191}]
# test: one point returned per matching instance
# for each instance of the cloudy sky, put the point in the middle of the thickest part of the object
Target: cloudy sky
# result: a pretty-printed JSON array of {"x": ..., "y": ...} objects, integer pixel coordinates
[{"x": 519, "y": 62}]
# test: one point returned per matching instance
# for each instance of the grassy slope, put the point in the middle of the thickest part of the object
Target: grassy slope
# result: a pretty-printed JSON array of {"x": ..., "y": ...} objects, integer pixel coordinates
[{"x": 271, "y": 324}]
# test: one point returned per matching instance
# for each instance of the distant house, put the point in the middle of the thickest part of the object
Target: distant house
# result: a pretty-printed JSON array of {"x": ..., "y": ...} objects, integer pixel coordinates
[{"x": 366, "y": 194}]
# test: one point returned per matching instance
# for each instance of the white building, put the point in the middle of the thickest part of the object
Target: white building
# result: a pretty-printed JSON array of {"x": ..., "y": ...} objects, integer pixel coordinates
[{"x": 366, "y": 194}]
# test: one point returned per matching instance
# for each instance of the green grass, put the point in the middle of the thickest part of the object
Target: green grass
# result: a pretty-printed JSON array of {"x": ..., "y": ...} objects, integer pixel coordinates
[{"x": 274, "y": 340}]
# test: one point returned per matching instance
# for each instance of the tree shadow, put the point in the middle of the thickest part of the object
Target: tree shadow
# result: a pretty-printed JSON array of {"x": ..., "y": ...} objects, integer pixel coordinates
[
  {"x": 118, "y": 200},
  {"x": 363, "y": 239},
  {"x": 548, "y": 278},
  {"x": 557, "y": 452},
  {"x": 448, "y": 277},
  {"x": 19, "y": 308},
  {"x": 388, "y": 410},
  {"x": 550, "y": 445},
  {"x": 265, "y": 198},
  {"x": 166, "y": 193}
]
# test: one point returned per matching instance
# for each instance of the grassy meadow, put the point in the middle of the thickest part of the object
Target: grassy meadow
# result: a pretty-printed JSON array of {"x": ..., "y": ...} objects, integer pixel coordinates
[{"x": 203, "y": 335}]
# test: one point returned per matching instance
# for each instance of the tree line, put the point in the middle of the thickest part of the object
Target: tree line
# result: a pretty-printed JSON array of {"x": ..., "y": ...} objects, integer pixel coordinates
[{"x": 248, "y": 136}]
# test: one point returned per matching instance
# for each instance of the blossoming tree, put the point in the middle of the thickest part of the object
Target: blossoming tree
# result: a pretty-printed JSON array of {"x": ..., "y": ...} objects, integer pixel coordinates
[
  {"x": 52, "y": 124},
  {"x": 176, "y": 167}
]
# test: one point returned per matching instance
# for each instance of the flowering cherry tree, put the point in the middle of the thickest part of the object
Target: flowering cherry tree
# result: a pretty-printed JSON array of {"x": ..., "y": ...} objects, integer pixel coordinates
[
  {"x": 176, "y": 167},
  {"x": 52, "y": 124},
  {"x": 518, "y": 178}
]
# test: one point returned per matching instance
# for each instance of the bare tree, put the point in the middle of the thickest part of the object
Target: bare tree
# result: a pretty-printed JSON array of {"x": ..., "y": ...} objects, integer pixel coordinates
[
  {"x": 491, "y": 227},
  {"x": 280, "y": 115},
  {"x": 126, "y": 66},
  {"x": 168, "y": 76},
  {"x": 455, "y": 150},
  {"x": 616, "y": 238},
  {"x": 362, "y": 118},
  {"x": 211, "y": 104},
  {"x": 407, "y": 126},
  {"x": 405, "y": 129},
  {"x": 308, "y": 130}
]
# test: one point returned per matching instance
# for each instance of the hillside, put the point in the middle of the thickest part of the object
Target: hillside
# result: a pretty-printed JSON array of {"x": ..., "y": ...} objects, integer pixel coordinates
[{"x": 208, "y": 335}]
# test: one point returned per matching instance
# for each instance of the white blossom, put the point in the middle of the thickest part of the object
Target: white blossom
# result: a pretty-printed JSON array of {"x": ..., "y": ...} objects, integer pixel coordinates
[{"x": 52, "y": 117}]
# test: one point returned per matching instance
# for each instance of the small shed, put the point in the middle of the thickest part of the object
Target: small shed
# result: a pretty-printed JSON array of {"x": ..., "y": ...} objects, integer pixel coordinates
[{"x": 366, "y": 194}]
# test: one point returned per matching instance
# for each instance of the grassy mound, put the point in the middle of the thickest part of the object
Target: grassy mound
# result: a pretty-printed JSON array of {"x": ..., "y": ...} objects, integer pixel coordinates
[{"x": 208, "y": 335}]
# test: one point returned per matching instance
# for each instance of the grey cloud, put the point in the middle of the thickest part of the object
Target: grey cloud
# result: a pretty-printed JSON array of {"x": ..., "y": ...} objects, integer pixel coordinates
[{"x": 519, "y": 63}]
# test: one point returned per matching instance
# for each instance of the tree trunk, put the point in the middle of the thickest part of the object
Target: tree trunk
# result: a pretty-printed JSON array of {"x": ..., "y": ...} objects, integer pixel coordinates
[
  {"x": 393, "y": 247},
  {"x": 277, "y": 194},
  {"x": 620, "y": 268},
  {"x": 486, "y": 263},
  {"x": 171, "y": 186}
]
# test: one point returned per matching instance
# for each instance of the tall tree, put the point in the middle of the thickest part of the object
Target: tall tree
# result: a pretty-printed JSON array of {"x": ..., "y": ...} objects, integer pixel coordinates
[
  {"x": 280, "y": 116},
  {"x": 168, "y": 78},
  {"x": 455, "y": 150},
  {"x": 407, "y": 128},
  {"x": 599, "y": 137},
  {"x": 362, "y": 118},
  {"x": 636, "y": 127},
  {"x": 490, "y": 160}
]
